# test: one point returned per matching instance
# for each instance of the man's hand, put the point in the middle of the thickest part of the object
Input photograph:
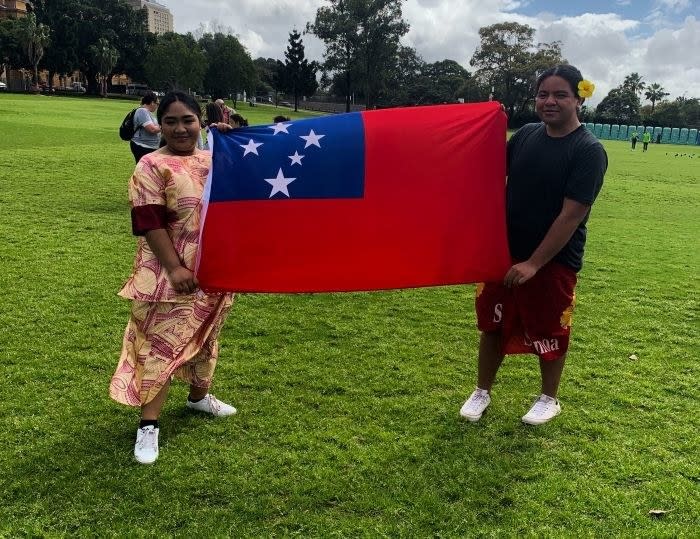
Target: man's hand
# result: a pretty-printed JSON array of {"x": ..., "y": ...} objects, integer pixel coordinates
[{"x": 520, "y": 273}]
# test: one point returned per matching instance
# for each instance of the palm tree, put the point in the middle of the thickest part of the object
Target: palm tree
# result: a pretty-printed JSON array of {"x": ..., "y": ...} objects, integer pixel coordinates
[
  {"x": 634, "y": 82},
  {"x": 35, "y": 38},
  {"x": 105, "y": 57},
  {"x": 655, "y": 92}
]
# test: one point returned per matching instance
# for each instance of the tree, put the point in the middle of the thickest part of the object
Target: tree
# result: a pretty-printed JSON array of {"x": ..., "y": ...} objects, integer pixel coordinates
[
  {"x": 35, "y": 38},
  {"x": 62, "y": 17},
  {"x": 508, "y": 61},
  {"x": 11, "y": 49},
  {"x": 635, "y": 83},
  {"x": 297, "y": 75},
  {"x": 655, "y": 92},
  {"x": 444, "y": 79},
  {"x": 80, "y": 24},
  {"x": 105, "y": 57},
  {"x": 362, "y": 41},
  {"x": 266, "y": 75},
  {"x": 230, "y": 67},
  {"x": 176, "y": 62},
  {"x": 620, "y": 105}
]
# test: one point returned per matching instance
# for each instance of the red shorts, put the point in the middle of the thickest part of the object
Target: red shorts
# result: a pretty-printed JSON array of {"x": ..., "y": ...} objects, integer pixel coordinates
[{"x": 533, "y": 318}]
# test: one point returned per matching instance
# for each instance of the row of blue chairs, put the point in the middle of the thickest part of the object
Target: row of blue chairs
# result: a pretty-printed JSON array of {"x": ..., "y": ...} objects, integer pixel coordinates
[{"x": 668, "y": 135}]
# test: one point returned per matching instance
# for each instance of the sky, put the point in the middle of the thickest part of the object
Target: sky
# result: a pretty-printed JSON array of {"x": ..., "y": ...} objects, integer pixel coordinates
[{"x": 606, "y": 40}]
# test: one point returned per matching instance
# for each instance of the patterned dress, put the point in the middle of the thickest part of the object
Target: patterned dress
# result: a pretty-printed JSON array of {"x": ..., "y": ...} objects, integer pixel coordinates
[{"x": 168, "y": 334}]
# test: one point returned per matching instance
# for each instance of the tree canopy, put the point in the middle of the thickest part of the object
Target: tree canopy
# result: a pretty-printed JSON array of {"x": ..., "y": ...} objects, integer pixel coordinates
[
  {"x": 296, "y": 75},
  {"x": 362, "y": 41},
  {"x": 176, "y": 62},
  {"x": 508, "y": 60}
]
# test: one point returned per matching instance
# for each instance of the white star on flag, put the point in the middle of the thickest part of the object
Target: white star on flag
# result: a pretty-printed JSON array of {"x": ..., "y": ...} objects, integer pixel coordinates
[
  {"x": 279, "y": 184},
  {"x": 296, "y": 158},
  {"x": 312, "y": 139},
  {"x": 280, "y": 128},
  {"x": 251, "y": 147}
]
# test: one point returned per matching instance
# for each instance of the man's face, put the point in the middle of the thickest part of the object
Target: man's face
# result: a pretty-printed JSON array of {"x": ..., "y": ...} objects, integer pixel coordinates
[{"x": 555, "y": 102}]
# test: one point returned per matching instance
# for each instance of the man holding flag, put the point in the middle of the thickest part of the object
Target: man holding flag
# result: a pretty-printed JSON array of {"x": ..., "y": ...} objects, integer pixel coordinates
[{"x": 555, "y": 172}]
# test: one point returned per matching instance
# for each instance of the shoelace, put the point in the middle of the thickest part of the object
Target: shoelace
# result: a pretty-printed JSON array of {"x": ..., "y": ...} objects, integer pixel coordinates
[
  {"x": 148, "y": 438},
  {"x": 541, "y": 406},
  {"x": 477, "y": 400},
  {"x": 214, "y": 404}
]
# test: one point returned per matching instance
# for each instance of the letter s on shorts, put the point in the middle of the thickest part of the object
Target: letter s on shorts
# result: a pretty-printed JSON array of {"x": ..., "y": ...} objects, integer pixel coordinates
[{"x": 498, "y": 312}]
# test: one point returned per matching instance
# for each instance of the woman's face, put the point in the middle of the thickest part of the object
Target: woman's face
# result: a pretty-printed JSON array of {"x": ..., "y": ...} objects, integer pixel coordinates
[
  {"x": 180, "y": 128},
  {"x": 555, "y": 102}
]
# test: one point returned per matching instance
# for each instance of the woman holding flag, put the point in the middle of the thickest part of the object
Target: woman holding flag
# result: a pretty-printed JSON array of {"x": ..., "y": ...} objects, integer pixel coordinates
[{"x": 174, "y": 326}]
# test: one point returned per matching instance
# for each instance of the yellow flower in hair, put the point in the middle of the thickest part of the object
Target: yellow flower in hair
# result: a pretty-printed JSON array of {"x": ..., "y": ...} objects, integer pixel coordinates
[{"x": 585, "y": 88}]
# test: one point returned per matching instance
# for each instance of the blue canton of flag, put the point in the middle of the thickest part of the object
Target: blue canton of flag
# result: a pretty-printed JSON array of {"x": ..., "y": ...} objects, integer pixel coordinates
[{"x": 304, "y": 159}]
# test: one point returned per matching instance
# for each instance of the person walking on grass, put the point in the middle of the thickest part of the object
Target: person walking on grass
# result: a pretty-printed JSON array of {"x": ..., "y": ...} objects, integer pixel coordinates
[
  {"x": 146, "y": 137},
  {"x": 555, "y": 172},
  {"x": 174, "y": 326},
  {"x": 633, "y": 138},
  {"x": 646, "y": 139}
]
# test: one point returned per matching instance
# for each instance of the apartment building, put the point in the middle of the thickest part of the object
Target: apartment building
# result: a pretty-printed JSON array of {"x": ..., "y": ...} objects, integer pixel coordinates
[
  {"x": 14, "y": 8},
  {"x": 160, "y": 20}
]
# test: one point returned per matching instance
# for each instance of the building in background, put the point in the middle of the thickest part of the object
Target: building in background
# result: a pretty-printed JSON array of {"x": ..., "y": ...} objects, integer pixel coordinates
[
  {"x": 14, "y": 8},
  {"x": 160, "y": 20}
]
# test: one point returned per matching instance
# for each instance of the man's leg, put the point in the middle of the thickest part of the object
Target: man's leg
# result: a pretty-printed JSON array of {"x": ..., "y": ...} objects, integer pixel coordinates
[
  {"x": 551, "y": 375},
  {"x": 490, "y": 359}
]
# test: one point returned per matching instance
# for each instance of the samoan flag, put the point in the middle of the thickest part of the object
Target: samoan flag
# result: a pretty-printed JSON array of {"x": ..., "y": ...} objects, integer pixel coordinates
[{"x": 383, "y": 199}]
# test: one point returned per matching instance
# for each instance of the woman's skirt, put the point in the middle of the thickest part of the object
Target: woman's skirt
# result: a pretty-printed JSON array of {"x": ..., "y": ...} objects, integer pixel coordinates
[{"x": 168, "y": 339}]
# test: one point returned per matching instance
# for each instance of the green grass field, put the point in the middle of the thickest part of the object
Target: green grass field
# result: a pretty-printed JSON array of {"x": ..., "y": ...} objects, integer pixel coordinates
[{"x": 348, "y": 403}]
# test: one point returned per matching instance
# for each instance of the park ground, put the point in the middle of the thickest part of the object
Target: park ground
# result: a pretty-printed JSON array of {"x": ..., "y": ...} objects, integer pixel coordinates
[{"x": 348, "y": 403}]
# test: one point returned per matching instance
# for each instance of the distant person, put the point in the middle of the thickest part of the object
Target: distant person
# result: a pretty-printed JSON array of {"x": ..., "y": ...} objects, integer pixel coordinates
[
  {"x": 146, "y": 137},
  {"x": 646, "y": 139},
  {"x": 658, "y": 138},
  {"x": 174, "y": 327},
  {"x": 225, "y": 110},
  {"x": 214, "y": 116},
  {"x": 238, "y": 121},
  {"x": 555, "y": 172},
  {"x": 634, "y": 137},
  {"x": 281, "y": 119}
]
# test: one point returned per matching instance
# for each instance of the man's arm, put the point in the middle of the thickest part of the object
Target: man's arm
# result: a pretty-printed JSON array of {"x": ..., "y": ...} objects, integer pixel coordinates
[{"x": 563, "y": 227}]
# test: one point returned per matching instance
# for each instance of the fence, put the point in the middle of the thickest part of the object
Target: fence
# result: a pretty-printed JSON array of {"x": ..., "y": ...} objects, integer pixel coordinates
[{"x": 661, "y": 135}]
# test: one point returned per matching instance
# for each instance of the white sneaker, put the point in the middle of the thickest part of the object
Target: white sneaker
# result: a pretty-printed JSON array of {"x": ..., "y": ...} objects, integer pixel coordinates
[
  {"x": 211, "y": 405},
  {"x": 146, "y": 448},
  {"x": 544, "y": 409},
  {"x": 474, "y": 407}
]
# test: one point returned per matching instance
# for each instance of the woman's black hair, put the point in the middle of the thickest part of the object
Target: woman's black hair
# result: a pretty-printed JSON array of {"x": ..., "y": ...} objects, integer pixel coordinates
[
  {"x": 240, "y": 120},
  {"x": 148, "y": 98},
  {"x": 186, "y": 99},
  {"x": 567, "y": 72},
  {"x": 214, "y": 113}
]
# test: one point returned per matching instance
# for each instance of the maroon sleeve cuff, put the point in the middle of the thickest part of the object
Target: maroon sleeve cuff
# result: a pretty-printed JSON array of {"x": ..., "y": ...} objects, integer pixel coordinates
[{"x": 148, "y": 217}]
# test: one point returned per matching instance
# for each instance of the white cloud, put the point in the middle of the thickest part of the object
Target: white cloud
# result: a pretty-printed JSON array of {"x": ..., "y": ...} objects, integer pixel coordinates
[{"x": 605, "y": 46}]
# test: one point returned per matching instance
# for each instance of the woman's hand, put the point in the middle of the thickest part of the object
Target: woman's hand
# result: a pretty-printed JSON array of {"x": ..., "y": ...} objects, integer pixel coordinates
[
  {"x": 221, "y": 126},
  {"x": 183, "y": 280}
]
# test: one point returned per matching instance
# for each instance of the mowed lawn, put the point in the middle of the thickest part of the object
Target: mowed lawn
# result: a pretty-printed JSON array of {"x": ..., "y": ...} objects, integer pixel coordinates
[{"x": 348, "y": 403}]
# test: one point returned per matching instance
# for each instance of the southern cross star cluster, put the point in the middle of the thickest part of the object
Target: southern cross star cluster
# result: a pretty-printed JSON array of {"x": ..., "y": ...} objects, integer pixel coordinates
[{"x": 281, "y": 182}]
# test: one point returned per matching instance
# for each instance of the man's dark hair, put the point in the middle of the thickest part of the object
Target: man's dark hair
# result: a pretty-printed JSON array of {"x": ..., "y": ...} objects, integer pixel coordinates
[
  {"x": 567, "y": 72},
  {"x": 148, "y": 98},
  {"x": 186, "y": 99},
  {"x": 239, "y": 120},
  {"x": 278, "y": 119}
]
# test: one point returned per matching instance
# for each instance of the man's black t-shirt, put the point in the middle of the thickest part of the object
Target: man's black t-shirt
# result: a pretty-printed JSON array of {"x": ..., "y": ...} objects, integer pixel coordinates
[{"x": 542, "y": 171}]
